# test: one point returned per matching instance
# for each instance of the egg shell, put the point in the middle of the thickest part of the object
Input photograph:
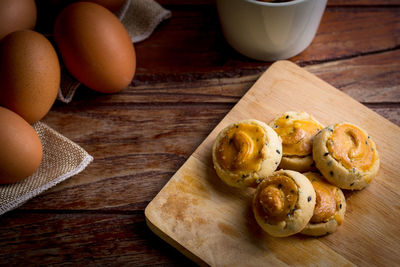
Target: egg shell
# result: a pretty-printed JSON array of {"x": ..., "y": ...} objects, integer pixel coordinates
[
  {"x": 95, "y": 47},
  {"x": 21, "y": 149},
  {"x": 29, "y": 74},
  {"x": 112, "y": 5},
  {"x": 17, "y": 15}
]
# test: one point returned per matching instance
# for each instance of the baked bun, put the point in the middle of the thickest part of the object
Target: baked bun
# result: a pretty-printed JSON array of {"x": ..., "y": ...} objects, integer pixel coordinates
[
  {"x": 284, "y": 203},
  {"x": 330, "y": 207},
  {"x": 297, "y": 130},
  {"x": 346, "y": 155},
  {"x": 245, "y": 152}
]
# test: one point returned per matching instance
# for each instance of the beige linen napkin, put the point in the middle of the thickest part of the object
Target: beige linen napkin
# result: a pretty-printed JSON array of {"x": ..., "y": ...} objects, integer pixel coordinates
[
  {"x": 140, "y": 18},
  {"x": 62, "y": 159}
]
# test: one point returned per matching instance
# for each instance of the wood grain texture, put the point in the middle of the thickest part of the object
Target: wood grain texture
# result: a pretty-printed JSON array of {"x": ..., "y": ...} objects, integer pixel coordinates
[
  {"x": 370, "y": 79},
  {"x": 215, "y": 223},
  {"x": 187, "y": 80},
  {"x": 82, "y": 239},
  {"x": 192, "y": 42},
  {"x": 363, "y": 3}
]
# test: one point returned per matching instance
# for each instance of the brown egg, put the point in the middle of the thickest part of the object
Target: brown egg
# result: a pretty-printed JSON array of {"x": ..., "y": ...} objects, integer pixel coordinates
[
  {"x": 95, "y": 47},
  {"x": 21, "y": 149},
  {"x": 112, "y": 5},
  {"x": 29, "y": 74},
  {"x": 16, "y": 15}
]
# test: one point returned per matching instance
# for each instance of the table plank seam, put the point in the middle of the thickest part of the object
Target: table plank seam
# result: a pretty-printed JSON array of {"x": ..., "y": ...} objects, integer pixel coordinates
[{"x": 337, "y": 59}]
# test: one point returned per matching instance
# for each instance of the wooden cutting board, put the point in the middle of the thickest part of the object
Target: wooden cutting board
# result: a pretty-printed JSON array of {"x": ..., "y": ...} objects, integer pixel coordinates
[{"x": 213, "y": 224}]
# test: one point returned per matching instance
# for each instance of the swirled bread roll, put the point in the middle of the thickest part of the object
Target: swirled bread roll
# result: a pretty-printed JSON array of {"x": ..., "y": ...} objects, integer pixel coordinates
[
  {"x": 297, "y": 130},
  {"x": 284, "y": 203},
  {"x": 330, "y": 207},
  {"x": 346, "y": 155},
  {"x": 246, "y": 151}
]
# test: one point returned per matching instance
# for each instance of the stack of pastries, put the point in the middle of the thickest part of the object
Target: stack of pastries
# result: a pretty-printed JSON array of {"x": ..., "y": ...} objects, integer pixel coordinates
[{"x": 298, "y": 168}]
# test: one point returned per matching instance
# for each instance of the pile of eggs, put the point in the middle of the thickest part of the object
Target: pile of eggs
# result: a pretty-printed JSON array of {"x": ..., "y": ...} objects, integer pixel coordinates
[{"x": 94, "y": 47}]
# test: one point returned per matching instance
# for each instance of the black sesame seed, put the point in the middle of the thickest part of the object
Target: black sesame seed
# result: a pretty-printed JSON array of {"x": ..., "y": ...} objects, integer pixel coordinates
[
  {"x": 331, "y": 173},
  {"x": 287, "y": 117},
  {"x": 237, "y": 126},
  {"x": 279, "y": 186},
  {"x": 351, "y": 184},
  {"x": 275, "y": 126},
  {"x": 230, "y": 141},
  {"x": 354, "y": 170},
  {"x": 243, "y": 176},
  {"x": 292, "y": 211},
  {"x": 277, "y": 151},
  {"x": 326, "y": 154},
  {"x": 366, "y": 142},
  {"x": 330, "y": 163},
  {"x": 257, "y": 140},
  {"x": 340, "y": 206},
  {"x": 331, "y": 130},
  {"x": 309, "y": 198},
  {"x": 369, "y": 137},
  {"x": 276, "y": 163}
]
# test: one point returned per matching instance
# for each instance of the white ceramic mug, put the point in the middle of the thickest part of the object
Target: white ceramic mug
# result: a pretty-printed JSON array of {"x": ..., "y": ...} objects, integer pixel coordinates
[{"x": 270, "y": 31}]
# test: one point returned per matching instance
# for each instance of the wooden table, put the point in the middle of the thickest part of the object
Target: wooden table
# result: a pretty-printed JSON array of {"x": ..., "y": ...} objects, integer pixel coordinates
[{"x": 187, "y": 79}]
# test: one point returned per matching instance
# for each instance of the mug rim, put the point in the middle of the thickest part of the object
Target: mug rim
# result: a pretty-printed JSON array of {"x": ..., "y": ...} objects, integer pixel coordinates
[{"x": 289, "y": 3}]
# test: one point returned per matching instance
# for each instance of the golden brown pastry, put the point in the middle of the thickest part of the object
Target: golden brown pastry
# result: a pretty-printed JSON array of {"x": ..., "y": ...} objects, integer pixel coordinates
[
  {"x": 245, "y": 152},
  {"x": 284, "y": 203},
  {"x": 346, "y": 155},
  {"x": 297, "y": 130},
  {"x": 330, "y": 207}
]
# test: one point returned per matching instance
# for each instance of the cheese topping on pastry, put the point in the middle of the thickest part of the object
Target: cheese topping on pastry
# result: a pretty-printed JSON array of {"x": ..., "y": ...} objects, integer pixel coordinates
[
  {"x": 327, "y": 200},
  {"x": 296, "y": 135},
  {"x": 242, "y": 149},
  {"x": 277, "y": 199},
  {"x": 349, "y": 145}
]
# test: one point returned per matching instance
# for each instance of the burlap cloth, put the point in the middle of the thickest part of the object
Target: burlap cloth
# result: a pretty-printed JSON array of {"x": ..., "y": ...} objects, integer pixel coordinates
[
  {"x": 140, "y": 18},
  {"x": 62, "y": 158}
]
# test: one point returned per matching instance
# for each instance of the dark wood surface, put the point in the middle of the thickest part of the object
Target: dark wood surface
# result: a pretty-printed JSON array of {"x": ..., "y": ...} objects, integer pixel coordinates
[{"x": 187, "y": 79}]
